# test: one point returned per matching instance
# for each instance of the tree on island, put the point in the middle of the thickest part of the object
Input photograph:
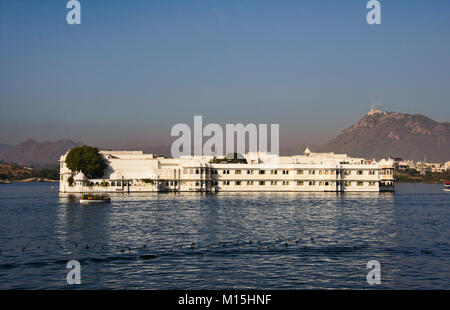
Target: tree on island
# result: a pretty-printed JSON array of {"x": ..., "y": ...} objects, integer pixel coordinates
[{"x": 86, "y": 159}]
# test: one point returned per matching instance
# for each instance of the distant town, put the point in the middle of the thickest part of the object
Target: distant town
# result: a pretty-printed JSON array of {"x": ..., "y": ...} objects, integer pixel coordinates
[
  {"x": 410, "y": 171},
  {"x": 420, "y": 167}
]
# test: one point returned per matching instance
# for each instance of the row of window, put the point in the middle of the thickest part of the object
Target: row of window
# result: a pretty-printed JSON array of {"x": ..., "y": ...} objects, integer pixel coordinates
[
  {"x": 252, "y": 183},
  {"x": 288, "y": 183},
  {"x": 104, "y": 183},
  {"x": 285, "y": 172}
]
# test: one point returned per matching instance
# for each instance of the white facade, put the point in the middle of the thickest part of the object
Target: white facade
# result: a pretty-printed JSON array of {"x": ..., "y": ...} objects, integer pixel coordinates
[{"x": 133, "y": 171}]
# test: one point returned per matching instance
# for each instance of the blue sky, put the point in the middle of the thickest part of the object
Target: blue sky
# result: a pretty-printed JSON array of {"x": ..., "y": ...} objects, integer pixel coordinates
[{"x": 133, "y": 69}]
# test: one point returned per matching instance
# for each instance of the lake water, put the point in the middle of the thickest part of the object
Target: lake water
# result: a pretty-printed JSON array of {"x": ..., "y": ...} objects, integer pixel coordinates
[{"x": 225, "y": 241}]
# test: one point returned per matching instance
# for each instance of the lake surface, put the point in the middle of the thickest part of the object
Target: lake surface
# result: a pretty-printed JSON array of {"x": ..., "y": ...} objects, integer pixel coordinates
[{"x": 225, "y": 241}]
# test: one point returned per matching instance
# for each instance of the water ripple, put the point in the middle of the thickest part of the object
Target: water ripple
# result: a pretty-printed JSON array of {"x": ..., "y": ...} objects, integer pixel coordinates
[{"x": 256, "y": 241}]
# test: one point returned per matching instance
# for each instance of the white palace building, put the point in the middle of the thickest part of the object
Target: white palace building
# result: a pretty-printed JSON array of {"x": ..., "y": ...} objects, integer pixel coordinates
[{"x": 134, "y": 171}]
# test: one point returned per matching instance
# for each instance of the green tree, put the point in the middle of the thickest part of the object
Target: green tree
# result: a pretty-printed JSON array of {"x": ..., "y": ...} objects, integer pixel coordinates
[
  {"x": 231, "y": 158},
  {"x": 86, "y": 159},
  {"x": 52, "y": 174},
  {"x": 70, "y": 180}
]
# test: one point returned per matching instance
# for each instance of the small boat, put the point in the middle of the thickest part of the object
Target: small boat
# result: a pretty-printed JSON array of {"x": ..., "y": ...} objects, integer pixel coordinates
[
  {"x": 446, "y": 186},
  {"x": 94, "y": 198}
]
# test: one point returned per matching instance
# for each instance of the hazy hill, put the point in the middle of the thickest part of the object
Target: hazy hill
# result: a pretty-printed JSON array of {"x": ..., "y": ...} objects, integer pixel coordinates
[
  {"x": 5, "y": 148},
  {"x": 38, "y": 154},
  {"x": 382, "y": 134}
]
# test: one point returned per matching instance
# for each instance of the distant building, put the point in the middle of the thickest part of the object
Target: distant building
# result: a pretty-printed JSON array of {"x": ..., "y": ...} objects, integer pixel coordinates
[
  {"x": 133, "y": 171},
  {"x": 396, "y": 161},
  {"x": 407, "y": 165},
  {"x": 424, "y": 167},
  {"x": 374, "y": 111}
]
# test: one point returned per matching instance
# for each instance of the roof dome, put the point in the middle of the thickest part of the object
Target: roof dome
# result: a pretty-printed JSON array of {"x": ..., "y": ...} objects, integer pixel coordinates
[
  {"x": 116, "y": 175},
  {"x": 80, "y": 177},
  {"x": 307, "y": 151}
]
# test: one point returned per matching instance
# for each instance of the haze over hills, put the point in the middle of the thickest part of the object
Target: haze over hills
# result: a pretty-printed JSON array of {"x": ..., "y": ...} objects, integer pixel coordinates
[
  {"x": 381, "y": 134},
  {"x": 298, "y": 149},
  {"x": 377, "y": 135},
  {"x": 38, "y": 154},
  {"x": 5, "y": 148},
  {"x": 159, "y": 150}
]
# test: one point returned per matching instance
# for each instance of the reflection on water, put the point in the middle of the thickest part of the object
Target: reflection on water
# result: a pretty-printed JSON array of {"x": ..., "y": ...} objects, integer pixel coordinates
[
  {"x": 78, "y": 224},
  {"x": 226, "y": 240}
]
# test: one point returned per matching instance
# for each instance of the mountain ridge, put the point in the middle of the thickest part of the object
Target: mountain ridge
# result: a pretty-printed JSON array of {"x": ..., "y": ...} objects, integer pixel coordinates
[
  {"x": 381, "y": 134},
  {"x": 5, "y": 148},
  {"x": 38, "y": 154}
]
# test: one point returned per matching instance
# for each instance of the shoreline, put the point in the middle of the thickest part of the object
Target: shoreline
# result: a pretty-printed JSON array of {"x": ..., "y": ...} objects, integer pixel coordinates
[
  {"x": 430, "y": 178},
  {"x": 29, "y": 180},
  {"x": 411, "y": 180},
  {"x": 418, "y": 181}
]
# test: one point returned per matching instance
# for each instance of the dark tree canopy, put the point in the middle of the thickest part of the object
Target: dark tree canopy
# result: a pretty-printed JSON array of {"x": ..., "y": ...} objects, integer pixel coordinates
[
  {"x": 231, "y": 158},
  {"x": 86, "y": 159}
]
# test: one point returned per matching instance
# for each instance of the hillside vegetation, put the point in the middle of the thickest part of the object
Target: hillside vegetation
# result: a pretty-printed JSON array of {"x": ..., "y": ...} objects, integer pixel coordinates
[{"x": 16, "y": 173}]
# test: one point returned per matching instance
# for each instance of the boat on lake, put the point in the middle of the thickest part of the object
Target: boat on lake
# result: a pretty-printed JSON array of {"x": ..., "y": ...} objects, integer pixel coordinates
[
  {"x": 446, "y": 186},
  {"x": 94, "y": 199}
]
